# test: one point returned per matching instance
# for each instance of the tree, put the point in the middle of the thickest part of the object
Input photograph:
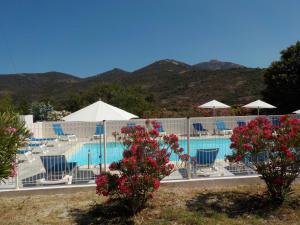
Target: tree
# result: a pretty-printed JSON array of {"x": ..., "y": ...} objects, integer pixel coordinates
[
  {"x": 131, "y": 99},
  {"x": 41, "y": 110},
  {"x": 282, "y": 80},
  {"x": 12, "y": 136},
  {"x": 6, "y": 103}
]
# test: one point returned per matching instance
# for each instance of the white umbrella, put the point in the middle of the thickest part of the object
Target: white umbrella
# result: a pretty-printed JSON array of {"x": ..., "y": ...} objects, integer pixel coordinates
[
  {"x": 96, "y": 112},
  {"x": 297, "y": 112},
  {"x": 214, "y": 104},
  {"x": 99, "y": 111},
  {"x": 258, "y": 104}
]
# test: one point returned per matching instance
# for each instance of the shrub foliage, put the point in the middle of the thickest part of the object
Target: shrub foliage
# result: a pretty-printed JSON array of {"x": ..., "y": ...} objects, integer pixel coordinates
[
  {"x": 12, "y": 136},
  {"x": 272, "y": 150},
  {"x": 145, "y": 163}
]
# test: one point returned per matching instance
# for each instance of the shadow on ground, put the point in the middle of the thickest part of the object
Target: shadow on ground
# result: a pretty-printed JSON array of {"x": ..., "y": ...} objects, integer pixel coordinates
[
  {"x": 237, "y": 204},
  {"x": 102, "y": 214}
]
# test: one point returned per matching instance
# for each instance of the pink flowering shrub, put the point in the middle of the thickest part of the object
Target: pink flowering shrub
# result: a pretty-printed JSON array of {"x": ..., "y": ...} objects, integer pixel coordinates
[
  {"x": 12, "y": 137},
  {"x": 133, "y": 180},
  {"x": 272, "y": 150}
]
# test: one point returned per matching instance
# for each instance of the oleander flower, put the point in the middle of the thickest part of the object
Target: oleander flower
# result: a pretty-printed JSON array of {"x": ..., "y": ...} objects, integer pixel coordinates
[
  {"x": 270, "y": 148},
  {"x": 145, "y": 162}
]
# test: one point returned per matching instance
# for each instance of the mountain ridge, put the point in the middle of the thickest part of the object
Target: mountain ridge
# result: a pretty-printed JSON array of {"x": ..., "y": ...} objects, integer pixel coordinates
[
  {"x": 215, "y": 64},
  {"x": 175, "y": 86}
]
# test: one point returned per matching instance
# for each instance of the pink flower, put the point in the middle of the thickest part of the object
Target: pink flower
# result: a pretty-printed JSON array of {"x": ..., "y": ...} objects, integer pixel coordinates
[
  {"x": 11, "y": 130},
  {"x": 247, "y": 147},
  {"x": 113, "y": 166},
  {"x": 13, "y": 171},
  {"x": 238, "y": 157},
  {"x": 154, "y": 132},
  {"x": 156, "y": 184},
  {"x": 134, "y": 149},
  {"x": 184, "y": 157}
]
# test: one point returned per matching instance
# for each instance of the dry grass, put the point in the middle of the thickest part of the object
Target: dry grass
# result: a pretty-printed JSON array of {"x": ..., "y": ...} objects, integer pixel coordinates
[{"x": 172, "y": 205}]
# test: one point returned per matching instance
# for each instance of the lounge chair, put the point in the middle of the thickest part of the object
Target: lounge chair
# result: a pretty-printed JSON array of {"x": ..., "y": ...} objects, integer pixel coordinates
[
  {"x": 161, "y": 130},
  {"x": 27, "y": 155},
  {"x": 204, "y": 162},
  {"x": 99, "y": 131},
  {"x": 42, "y": 139},
  {"x": 241, "y": 123},
  {"x": 131, "y": 124},
  {"x": 249, "y": 160},
  {"x": 198, "y": 128},
  {"x": 37, "y": 147},
  {"x": 61, "y": 135},
  {"x": 275, "y": 121},
  {"x": 221, "y": 128},
  {"x": 58, "y": 170}
]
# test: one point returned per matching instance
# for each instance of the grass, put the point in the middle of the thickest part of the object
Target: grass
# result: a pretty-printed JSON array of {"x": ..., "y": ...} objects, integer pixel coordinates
[{"x": 171, "y": 205}]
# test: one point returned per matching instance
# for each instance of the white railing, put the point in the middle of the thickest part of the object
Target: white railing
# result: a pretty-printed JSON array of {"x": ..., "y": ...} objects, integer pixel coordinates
[{"x": 76, "y": 156}]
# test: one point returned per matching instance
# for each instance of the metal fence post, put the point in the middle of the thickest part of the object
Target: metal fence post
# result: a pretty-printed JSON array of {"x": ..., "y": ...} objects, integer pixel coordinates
[
  {"x": 17, "y": 175},
  {"x": 188, "y": 147},
  {"x": 104, "y": 140}
]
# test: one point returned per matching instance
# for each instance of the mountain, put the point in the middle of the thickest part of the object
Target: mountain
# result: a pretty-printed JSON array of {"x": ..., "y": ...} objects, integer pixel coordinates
[
  {"x": 176, "y": 87},
  {"x": 165, "y": 65},
  {"x": 36, "y": 85},
  {"x": 110, "y": 75},
  {"x": 217, "y": 65}
]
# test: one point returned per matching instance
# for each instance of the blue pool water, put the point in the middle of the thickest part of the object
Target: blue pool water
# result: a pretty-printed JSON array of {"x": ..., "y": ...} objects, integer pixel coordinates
[{"x": 115, "y": 150}]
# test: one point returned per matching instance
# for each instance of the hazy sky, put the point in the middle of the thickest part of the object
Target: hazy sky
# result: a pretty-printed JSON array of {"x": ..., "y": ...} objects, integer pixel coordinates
[{"x": 88, "y": 37}]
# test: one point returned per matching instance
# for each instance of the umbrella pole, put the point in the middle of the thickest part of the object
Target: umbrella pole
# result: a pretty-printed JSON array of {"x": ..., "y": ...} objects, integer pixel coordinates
[
  {"x": 258, "y": 111},
  {"x": 100, "y": 156},
  {"x": 214, "y": 115}
]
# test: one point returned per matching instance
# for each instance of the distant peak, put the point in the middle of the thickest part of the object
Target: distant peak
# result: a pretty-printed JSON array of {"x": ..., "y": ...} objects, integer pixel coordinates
[
  {"x": 215, "y": 64},
  {"x": 215, "y": 61},
  {"x": 170, "y": 61},
  {"x": 117, "y": 70}
]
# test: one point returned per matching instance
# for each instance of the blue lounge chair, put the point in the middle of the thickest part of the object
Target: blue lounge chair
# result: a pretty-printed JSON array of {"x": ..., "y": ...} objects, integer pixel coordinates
[
  {"x": 42, "y": 139},
  {"x": 61, "y": 135},
  {"x": 99, "y": 131},
  {"x": 131, "y": 124},
  {"x": 161, "y": 130},
  {"x": 221, "y": 128},
  {"x": 36, "y": 147},
  {"x": 259, "y": 158},
  {"x": 275, "y": 121},
  {"x": 198, "y": 128},
  {"x": 241, "y": 123},
  {"x": 58, "y": 170},
  {"x": 205, "y": 158}
]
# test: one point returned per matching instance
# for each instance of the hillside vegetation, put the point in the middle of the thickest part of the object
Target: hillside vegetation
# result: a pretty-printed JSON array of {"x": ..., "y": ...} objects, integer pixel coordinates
[{"x": 165, "y": 87}]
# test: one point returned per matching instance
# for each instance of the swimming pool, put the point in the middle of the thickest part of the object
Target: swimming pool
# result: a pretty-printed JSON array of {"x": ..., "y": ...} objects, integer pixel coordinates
[{"x": 90, "y": 152}]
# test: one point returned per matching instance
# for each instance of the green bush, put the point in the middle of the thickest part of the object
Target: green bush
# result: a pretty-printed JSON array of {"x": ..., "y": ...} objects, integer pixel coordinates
[{"x": 12, "y": 136}]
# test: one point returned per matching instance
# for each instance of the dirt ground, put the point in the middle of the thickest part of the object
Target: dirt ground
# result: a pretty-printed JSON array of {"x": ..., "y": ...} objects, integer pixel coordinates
[{"x": 192, "y": 203}]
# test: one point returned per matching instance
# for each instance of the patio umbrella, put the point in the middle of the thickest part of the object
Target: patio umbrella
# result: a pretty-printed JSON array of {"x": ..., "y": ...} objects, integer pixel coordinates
[
  {"x": 96, "y": 112},
  {"x": 214, "y": 104},
  {"x": 258, "y": 104},
  {"x": 297, "y": 112},
  {"x": 99, "y": 111}
]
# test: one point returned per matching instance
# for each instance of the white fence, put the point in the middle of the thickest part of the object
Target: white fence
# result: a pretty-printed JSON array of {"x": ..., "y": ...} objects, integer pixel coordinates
[{"x": 77, "y": 155}]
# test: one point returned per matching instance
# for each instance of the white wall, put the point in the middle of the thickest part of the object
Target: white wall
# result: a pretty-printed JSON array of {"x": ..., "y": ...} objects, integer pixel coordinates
[{"x": 170, "y": 125}]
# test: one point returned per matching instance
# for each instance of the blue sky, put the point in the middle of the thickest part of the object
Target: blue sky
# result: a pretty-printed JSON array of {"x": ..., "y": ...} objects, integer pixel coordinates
[{"x": 88, "y": 37}]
